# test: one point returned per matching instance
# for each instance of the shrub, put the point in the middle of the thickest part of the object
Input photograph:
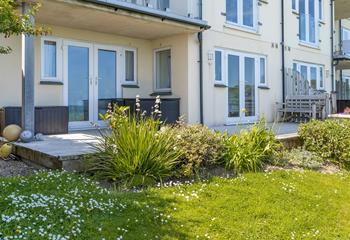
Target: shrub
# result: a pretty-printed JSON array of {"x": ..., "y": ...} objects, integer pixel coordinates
[
  {"x": 201, "y": 147},
  {"x": 251, "y": 149},
  {"x": 329, "y": 139},
  {"x": 135, "y": 152},
  {"x": 302, "y": 158}
]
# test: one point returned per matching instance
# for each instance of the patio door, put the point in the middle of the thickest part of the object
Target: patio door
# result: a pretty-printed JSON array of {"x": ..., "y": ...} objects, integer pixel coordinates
[
  {"x": 90, "y": 82},
  {"x": 242, "y": 76}
]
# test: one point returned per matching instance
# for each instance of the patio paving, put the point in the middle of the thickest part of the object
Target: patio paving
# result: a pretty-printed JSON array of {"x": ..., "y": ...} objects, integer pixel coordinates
[{"x": 67, "y": 151}]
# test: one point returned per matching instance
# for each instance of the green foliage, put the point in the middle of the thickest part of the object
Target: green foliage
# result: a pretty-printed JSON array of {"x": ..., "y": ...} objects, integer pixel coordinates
[
  {"x": 135, "y": 152},
  {"x": 13, "y": 23},
  {"x": 263, "y": 206},
  {"x": 251, "y": 149},
  {"x": 201, "y": 147},
  {"x": 329, "y": 139},
  {"x": 302, "y": 158}
]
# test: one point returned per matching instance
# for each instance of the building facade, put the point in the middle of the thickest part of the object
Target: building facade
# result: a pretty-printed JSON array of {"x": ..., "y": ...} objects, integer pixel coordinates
[{"x": 222, "y": 61}]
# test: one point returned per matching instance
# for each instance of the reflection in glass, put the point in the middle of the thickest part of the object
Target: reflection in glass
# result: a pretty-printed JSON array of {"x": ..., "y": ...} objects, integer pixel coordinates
[
  {"x": 248, "y": 15},
  {"x": 232, "y": 11},
  {"x": 249, "y": 86},
  {"x": 233, "y": 86},
  {"x": 78, "y": 83},
  {"x": 107, "y": 75}
]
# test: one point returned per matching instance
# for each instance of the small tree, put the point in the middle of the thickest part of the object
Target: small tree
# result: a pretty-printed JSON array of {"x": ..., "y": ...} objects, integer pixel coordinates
[{"x": 12, "y": 22}]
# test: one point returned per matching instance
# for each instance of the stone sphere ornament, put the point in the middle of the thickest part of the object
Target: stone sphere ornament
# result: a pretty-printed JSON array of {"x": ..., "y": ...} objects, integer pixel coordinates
[
  {"x": 39, "y": 137},
  {"x": 12, "y": 132},
  {"x": 26, "y": 136},
  {"x": 5, "y": 150}
]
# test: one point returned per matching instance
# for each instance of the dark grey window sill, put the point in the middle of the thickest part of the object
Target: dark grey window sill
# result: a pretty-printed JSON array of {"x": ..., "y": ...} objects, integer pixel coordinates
[
  {"x": 51, "y": 83},
  {"x": 220, "y": 85},
  {"x": 161, "y": 94},
  {"x": 263, "y": 87},
  {"x": 130, "y": 86}
]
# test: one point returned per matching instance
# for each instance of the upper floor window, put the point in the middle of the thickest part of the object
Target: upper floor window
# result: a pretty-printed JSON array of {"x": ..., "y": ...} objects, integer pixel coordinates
[
  {"x": 345, "y": 34},
  {"x": 241, "y": 12},
  {"x": 308, "y": 21},
  {"x": 295, "y": 5},
  {"x": 320, "y": 10}
]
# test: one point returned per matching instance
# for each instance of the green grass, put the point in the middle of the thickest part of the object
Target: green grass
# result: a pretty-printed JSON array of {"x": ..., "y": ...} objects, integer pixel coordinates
[{"x": 281, "y": 205}]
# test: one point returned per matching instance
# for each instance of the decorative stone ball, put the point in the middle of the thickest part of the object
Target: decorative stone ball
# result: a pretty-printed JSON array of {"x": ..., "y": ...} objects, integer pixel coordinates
[
  {"x": 5, "y": 151},
  {"x": 39, "y": 137},
  {"x": 12, "y": 132},
  {"x": 26, "y": 136}
]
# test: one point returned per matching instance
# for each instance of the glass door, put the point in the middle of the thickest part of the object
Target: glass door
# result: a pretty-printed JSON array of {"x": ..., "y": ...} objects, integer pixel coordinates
[
  {"x": 79, "y": 74},
  {"x": 242, "y": 76},
  {"x": 105, "y": 86}
]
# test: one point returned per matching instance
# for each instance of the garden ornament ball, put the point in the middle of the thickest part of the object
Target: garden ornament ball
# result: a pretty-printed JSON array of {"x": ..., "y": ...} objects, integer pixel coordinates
[
  {"x": 5, "y": 150},
  {"x": 26, "y": 136},
  {"x": 12, "y": 132}
]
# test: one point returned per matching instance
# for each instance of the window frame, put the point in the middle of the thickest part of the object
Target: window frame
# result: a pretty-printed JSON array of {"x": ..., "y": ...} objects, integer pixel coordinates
[
  {"x": 135, "y": 81},
  {"x": 320, "y": 4},
  {"x": 260, "y": 84},
  {"x": 240, "y": 16},
  {"x": 307, "y": 41},
  {"x": 319, "y": 68},
  {"x": 296, "y": 9},
  {"x": 59, "y": 59},
  {"x": 155, "y": 51},
  {"x": 223, "y": 78}
]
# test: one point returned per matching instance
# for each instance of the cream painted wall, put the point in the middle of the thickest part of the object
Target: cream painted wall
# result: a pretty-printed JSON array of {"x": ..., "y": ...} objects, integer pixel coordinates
[
  {"x": 184, "y": 64},
  {"x": 266, "y": 41},
  {"x": 11, "y": 73}
]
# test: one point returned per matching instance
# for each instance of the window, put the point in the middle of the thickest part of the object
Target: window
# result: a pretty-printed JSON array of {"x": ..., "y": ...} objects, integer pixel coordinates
[
  {"x": 320, "y": 10},
  {"x": 311, "y": 72},
  {"x": 241, "y": 12},
  {"x": 130, "y": 66},
  {"x": 163, "y": 70},
  {"x": 51, "y": 56},
  {"x": 295, "y": 7},
  {"x": 262, "y": 72},
  {"x": 345, "y": 34},
  {"x": 308, "y": 26},
  {"x": 219, "y": 66}
]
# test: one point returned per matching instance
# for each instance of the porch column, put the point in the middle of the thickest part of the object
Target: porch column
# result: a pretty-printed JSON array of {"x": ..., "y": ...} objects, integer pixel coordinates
[{"x": 27, "y": 77}]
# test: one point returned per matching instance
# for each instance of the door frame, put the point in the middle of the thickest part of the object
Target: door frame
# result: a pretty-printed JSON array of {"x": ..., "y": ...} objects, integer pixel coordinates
[
  {"x": 118, "y": 51},
  {"x": 93, "y": 78},
  {"x": 66, "y": 44},
  {"x": 242, "y": 119}
]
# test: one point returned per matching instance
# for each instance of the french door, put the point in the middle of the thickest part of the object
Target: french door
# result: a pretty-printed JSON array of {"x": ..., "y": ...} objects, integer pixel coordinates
[
  {"x": 91, "y": 82},
  {"x": 242, "y": 78}
]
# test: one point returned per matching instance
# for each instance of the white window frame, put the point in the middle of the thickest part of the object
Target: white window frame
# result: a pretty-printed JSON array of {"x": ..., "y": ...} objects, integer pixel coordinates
[
  {"x": 59, "y": 59},
  {"x": 155, "y": 70},
  {"x": 135, "y": 81},
  {"x": 296, "y": 9},
  {"x": 223, "y": 80},
  {"x": 318, "y": 67},
  {"x": 307, "y": 27},
  {"x": 320, "y": 10},
  {"x": 239, "y": 22},
  {"x": 265, "y": 84}
]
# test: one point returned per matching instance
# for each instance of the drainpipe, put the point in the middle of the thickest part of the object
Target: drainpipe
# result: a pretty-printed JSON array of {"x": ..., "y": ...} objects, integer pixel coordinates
[
  {"x": 200, "y": 39},
  {"x": 283, "y": 51},
  {"x": 332, "y": 44}
]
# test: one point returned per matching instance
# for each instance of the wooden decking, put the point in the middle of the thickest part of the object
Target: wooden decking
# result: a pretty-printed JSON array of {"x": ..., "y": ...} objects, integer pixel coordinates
[{"x": 67, "y": 151}]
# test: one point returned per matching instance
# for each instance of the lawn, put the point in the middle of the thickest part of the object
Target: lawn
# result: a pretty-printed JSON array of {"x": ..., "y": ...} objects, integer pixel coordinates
[{"x": 279, "y": 205}]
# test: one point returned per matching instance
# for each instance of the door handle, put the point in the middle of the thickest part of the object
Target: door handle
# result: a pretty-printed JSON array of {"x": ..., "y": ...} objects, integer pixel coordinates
[
  {"x": 96, "y": 80},
  {"x": 90, "y": 80}
]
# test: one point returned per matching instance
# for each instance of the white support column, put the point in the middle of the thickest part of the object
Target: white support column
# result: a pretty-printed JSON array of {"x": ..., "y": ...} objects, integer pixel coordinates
[{"x": 28, "y": 77}]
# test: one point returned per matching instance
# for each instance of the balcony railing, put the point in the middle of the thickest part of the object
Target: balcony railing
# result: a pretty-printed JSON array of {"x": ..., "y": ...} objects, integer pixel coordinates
[
  {"x": 182, "y": 8},
  {"x": 343, "y": 50}
]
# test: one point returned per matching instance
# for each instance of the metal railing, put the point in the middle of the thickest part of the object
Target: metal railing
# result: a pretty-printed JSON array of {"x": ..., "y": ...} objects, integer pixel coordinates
[
  {"x": 343, "y": 49},
  {"x": 184, "y": 8}
]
